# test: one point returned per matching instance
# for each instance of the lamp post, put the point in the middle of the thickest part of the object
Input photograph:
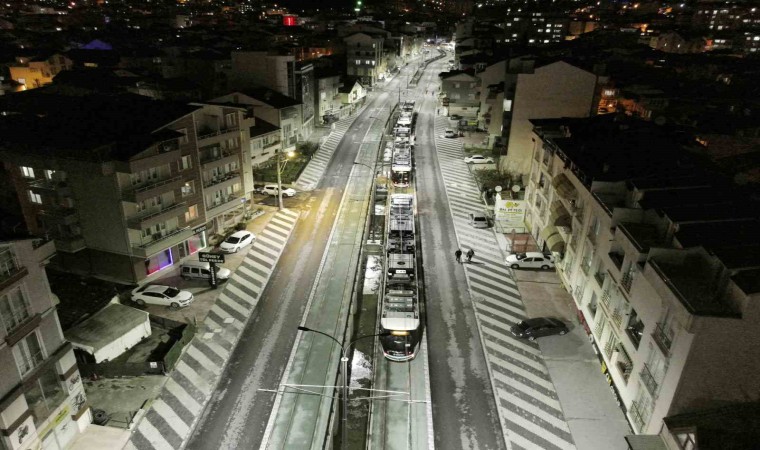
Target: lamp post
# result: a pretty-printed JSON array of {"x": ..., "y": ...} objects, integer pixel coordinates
[
  {"x": 344, "y": 371},
  {"x": 280, "y": 168}
]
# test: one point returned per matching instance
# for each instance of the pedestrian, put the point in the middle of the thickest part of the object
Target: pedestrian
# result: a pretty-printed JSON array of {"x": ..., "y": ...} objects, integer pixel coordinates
[
  {"x": 458, "y": 254},
  {"x": 470, "y": 254}
]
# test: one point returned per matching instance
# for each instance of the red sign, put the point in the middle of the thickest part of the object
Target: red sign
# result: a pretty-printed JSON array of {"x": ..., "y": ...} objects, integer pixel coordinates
[{"x": 289, "y": 21}]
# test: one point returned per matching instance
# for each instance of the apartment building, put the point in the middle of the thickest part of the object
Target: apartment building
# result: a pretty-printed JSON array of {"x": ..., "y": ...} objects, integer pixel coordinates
[
  {"x": 279, "y": 110},
  {"x": 126, "y": 185},
  {"x": 37, "y": 71},
  {"x": 661, "y": 258},
  {"x": 42, "y": 399},
  {"x": 326, "y": 96},
  {"x": 265, "y": 141},
  {"x": 365, "y": 56},
  {"x": 461, "y": 93}
]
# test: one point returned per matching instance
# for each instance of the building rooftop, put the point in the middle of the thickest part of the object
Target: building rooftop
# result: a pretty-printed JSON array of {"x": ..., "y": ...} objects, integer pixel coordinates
[
  {"x": 731, "y": 427},
  {"x": 93, "y": 127},
  {"x": 262, "y": 127},
  {"x": 271, "y": 98}
]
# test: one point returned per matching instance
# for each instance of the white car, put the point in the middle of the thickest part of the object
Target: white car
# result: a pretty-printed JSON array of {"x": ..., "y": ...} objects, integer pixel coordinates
[
  {"x": 155, "y": 294},
  {"x": 271, "y": 189},
  {"x": 530, "y": 260},
  {"x": 450, "y": 134},
  {"x": 478, "y": 159},
  {"x": 237, "y": 241}
]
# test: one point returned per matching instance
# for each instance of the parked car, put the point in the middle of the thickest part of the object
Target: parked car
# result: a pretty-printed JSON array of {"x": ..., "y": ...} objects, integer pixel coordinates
[
  {"x": 155, "y": 294},
  {"x": 271, "y": 189},
  {"x": 237, "y": 241},
  {"x": 541, "y": 326},
  {"x": 192, "y": 269},
  {"x": 478, "y": 219},
  {"x": 530, "y": 260},
  {"x": 449, "y": 133},
  {"x": 478, "y": 159}
]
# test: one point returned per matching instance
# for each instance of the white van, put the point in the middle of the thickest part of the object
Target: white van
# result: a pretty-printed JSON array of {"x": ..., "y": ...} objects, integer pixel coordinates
[{"x": 196, "y": 270}]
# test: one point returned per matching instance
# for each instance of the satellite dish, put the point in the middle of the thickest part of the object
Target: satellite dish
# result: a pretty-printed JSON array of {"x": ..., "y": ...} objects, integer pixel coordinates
[
  {"x": 497, "y": 189},
  {"x": 516, "y": 188}
]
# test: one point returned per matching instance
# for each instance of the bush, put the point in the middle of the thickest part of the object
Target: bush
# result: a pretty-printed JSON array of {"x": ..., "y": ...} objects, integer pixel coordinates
[
  {"x": 267, "y": 172},
  {"x": 307, "y": 149},
  {"x": 240, "y": 226},
  {"x": 490, "y": 178}
]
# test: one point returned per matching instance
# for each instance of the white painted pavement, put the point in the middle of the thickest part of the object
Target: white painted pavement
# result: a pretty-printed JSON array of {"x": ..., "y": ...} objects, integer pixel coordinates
[
  {"x": 529, "y": 409},
  {"x": 169, "y": 421}
]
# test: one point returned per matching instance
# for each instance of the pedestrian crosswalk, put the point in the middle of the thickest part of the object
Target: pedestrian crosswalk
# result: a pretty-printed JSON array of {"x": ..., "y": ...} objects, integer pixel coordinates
[
  {"x": 529, "y": 409},
  {"x": 316, "y": 168},
  {"x": 167, "y": 424}
]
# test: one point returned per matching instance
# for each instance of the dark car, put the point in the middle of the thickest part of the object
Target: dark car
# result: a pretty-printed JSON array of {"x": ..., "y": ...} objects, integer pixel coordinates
[{"x": 538, "y": 327}]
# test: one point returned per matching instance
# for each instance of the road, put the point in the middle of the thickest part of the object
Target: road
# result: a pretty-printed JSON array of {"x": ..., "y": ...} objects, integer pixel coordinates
[
  {"x": 464, "y": 412},
  {"x": 237, "y": 415}
]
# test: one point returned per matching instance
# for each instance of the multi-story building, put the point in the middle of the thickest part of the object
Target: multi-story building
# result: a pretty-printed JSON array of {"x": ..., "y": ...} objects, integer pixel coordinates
[
  {"x": 518, "y": 89},
  {"x": 34, "y": 72},
  {"x": 279, "y": 110},
  {"x": 660, "y": 257},
  {"x": 365, "y": 56},
  {"x": 265, "y": 141},
  {"x": 42, "y": 399},
  {"x": 327, "y": 96},
  {"x": 126, "y": 185},
  {"x": 461, "y": 93}
]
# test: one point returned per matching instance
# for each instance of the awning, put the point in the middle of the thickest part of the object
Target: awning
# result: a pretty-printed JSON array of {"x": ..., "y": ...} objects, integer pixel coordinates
[
  {"x": 553, "y": 239},
  {"x": 564, "y": 187},
  {"x": 560, "y": 216}
]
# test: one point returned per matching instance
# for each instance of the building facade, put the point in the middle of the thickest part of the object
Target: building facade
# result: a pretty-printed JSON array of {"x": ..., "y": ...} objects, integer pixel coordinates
[
  {"x": 365, "y": 57},
  {"x": 42, "y": 398},
  {"x": 136, "y": 198},
  {"x": 37, "y": 72},
  {"x": 646, "y": 245}
]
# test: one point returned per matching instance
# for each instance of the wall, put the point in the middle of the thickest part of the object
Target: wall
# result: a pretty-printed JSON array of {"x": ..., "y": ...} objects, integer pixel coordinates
[{"x": 552, "y": 91}]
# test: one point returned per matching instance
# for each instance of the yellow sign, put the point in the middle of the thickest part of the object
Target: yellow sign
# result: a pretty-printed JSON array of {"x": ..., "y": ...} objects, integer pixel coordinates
[{"x": 55, "y": 422}]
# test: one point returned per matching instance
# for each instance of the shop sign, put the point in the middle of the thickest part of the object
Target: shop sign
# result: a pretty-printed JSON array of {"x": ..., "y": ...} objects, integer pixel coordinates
[
  {"x": 199, "y": 229},
  {"x": 216, "y": 258},
  {"x": 510, "y": 213}
]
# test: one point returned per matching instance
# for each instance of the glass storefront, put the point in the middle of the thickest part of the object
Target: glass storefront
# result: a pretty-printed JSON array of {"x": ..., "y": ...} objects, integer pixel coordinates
[{"x": 159, "y": 261}]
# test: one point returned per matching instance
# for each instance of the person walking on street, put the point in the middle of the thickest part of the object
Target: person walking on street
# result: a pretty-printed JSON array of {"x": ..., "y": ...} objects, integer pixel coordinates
[
  {"x": 458, "y": 254},
  {"x": 470, "y": 254}
]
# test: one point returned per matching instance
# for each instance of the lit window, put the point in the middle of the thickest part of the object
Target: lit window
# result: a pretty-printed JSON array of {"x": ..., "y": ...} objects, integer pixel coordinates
[
  {"x": 188, "y": 188},
  {"x": 49, "y": 174},
  {"x": 14, "y": 309},
  {"x": 192, "y": 213},
  {"x": 27, "y": 172},
  {"x": 35, "y": 198}
]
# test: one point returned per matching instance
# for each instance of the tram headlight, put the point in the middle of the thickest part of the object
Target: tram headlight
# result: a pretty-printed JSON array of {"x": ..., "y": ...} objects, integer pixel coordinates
[{"x": 399, "y": 333}]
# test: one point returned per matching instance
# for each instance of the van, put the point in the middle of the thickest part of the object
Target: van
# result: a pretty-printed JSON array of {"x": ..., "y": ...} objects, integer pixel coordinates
[
  {"x": 197, "y": 270},
  {"x": 478, "y": 220}
]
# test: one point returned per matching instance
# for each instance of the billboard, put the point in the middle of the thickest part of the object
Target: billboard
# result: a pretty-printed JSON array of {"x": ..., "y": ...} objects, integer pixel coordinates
[{"x": 509, "y": 213}]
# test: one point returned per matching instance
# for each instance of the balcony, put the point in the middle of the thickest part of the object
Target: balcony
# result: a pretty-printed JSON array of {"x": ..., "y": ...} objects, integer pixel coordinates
[
  {"x": 599, "y": 277},
  {"x": 10, "y": 269},
  {"x": 44, "y": 249},
  {"x": 637, "y": 416},
  {"x": 225, "y": 204},
  {"x": 70, "y": 244},
  {"x": 219, "y": 159},
  {"x": 170, "y": 155},
  {"x": 161, "y": 242},
  {"x": 153, "y": 217},
  {"x": 57, "y": 215},
  {"x": 150, "y": 190},
  {"x": 270, "y": 145},
  {"x": 649, "y": 382},
  {"x": 617, "y": 259},
  {"x": 627, "y": 281},
  {"x": 662, "y": 339},
  {"x": 45, "y": 186},
  {"x": 208, "y": 136},
  {"x": 222, "y": 181}
]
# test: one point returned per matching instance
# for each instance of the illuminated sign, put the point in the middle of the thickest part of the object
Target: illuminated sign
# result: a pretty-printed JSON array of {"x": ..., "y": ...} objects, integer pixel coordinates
[{"x": 289, "y": 20}]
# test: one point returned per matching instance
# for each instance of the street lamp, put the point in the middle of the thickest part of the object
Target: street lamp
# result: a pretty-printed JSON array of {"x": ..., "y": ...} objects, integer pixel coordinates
[
  {"x": 344, "y": 371},
  {"x": 280, "y": 168}
]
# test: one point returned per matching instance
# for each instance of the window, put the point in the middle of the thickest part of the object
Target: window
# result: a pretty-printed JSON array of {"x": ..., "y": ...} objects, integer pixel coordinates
[
  {"x": 358, "y": 62},
  {"x": 192, "y": 213},
  {"x": 188, "y": 188},
  {"x": 186, "y": 162},
  {"x": 35, "y": 198},
  {"x": 14, "y": 309},
  {"x": 28, "y": 353},
  {"x": 44, "y": 396},
  {"x": 27, "y": 172},
  {"x": 49, "y": 174},
  {"x": 230, "y": 119}
]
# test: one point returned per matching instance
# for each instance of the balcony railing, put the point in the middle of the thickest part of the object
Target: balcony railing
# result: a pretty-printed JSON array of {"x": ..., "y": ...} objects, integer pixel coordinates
[
  {"x": 637, "y": 416},
  {"x": 599, "y": 277},
  {"x": 206, "y": 133},
  {"x": 271, "y": 144},
  {"x": 662, "y": 339},
  {"x": 134, "y": 221},
  {"x": 226, "y": 202},
  {"x": 140, "y": 191},
  {"x": 222, "y": 178},
  {"x": 649, "y": 381},
  {"x": 606, "y": 298},
  {"x": 26, "y": 365},
  {"x": 617, "y": 318},
  {"x": 627, "y": 281}
]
